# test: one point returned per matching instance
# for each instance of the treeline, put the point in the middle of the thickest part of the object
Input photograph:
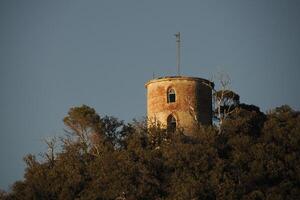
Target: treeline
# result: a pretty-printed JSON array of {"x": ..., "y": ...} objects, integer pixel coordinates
[{"x": 254, "y": 156}]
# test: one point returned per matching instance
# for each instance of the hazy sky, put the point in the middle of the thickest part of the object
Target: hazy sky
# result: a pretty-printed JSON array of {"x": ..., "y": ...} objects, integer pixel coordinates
[{"x": 59, "y": 54}]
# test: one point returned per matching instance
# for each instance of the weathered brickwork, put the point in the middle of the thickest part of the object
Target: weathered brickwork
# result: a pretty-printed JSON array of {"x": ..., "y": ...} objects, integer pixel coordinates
[{"x": 193, "y": 104}]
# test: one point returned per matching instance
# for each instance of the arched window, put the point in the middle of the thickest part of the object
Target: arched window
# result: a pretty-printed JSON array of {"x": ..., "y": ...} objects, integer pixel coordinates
[
  {"x": 171, "y": 123},
  {"x": 171, "y": 96}
]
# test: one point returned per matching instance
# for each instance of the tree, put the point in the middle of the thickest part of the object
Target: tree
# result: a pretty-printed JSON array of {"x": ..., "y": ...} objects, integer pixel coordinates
[
  {"x": 224, "y": 99},
  {"x": 225, "y": 102},
  {"x": 84, "y": 123},
  {"x": 256, "y": 156}
]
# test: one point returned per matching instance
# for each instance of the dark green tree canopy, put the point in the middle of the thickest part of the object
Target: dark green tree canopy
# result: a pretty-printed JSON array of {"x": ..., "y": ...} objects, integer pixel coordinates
[{"x": 255, "y": 157}]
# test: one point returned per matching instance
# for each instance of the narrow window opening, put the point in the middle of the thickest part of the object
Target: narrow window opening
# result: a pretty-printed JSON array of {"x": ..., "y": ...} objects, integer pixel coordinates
[
  {"x": 171, "y": 96},
  {"x": 171, "y": 124}
]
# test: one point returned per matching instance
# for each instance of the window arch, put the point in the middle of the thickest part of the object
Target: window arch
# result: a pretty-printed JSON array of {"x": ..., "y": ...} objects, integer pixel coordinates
[
  {"x": 171, "y": 123},
  {"x": 171, "y": 95}
]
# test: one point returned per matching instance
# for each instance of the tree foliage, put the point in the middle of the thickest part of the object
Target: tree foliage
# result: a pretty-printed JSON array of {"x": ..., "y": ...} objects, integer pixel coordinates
[{"x": 255, "y": 157}]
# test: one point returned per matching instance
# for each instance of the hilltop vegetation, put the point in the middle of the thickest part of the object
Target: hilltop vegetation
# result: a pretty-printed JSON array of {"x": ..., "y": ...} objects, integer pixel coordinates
[{"x": 254, "y": 156}]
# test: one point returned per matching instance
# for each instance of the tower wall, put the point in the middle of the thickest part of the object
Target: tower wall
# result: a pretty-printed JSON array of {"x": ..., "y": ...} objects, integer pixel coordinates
[{"x": 193, "y": 103}]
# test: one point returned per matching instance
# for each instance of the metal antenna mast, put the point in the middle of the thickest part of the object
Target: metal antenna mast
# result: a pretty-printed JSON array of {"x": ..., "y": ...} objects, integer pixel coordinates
[{"x": 177, "y": 35}]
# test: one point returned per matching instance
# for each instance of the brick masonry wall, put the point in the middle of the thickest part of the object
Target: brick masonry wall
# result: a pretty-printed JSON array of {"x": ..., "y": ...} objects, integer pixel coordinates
[{"x": 193, "y": 102}]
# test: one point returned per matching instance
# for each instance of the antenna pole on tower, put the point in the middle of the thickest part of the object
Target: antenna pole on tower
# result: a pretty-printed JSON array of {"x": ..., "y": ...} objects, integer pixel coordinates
[{"x": 177, "y": 35}]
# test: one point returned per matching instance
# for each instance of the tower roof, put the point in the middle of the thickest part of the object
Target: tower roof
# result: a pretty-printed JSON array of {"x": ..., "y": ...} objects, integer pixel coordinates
[{"x": 170, "y": 78}]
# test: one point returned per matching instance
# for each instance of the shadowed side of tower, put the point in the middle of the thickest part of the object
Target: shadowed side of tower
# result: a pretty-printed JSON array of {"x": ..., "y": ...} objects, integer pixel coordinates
[{"x": 179, "y": 102}]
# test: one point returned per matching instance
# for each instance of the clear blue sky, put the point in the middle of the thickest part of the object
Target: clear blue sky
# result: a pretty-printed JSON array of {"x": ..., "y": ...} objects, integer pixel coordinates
[{"x": 59, "y": 54}]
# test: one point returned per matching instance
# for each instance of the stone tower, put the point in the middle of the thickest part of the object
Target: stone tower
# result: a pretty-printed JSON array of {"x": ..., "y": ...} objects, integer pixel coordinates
[{"x": 179, "y": 102}]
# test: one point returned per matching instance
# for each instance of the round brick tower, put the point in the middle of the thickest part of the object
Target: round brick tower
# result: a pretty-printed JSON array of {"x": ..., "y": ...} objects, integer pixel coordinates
[{"x": 179, "y": 102}]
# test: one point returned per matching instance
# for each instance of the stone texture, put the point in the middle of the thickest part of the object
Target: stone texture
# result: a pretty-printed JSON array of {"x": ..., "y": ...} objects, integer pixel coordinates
[{"x": 193, "y": 103}]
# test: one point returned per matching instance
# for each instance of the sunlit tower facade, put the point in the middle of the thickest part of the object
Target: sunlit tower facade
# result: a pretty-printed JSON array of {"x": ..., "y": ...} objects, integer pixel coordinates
[{"x": 179, "y": 102}]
